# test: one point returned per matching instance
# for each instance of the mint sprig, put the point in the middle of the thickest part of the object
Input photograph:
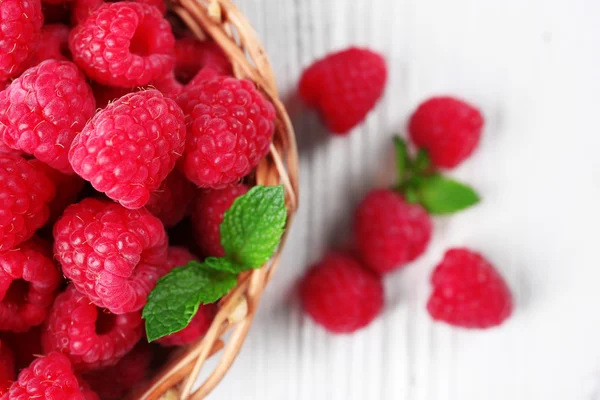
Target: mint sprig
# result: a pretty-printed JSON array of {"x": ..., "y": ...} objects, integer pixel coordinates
[{"x": 250, "y": 233}]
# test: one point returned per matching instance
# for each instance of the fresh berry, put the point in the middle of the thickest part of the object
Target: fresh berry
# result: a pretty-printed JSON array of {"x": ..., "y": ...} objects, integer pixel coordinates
[
  {"x": 191, "y": 55},
  {"x": 81, "y": 10},
  {"x": 207, "y": 214},
  {"x": 130, "y": 147},
  {"x": 20, "y": 25},
  {"x": 340, "y": 294},
  {"x": 28, "y": 282},
  {"x": 44, "y": 109},
  {"x": 124, "y": 44},
  {"x": 53, "y": 45},
  {"x": 344, "y": 86},
  {"x": 25, "y": 194},
  {"x": 4, "y": 149},
  {"x": 48, "y": 377},
  {"x": 448, "y": 128},
  {"x": 168, "y": 85},
  {"x": 25, "y": 346},
  {"x": 171, "y": 201},
  {"x": 113, "y": 383},
  {"x": 230, "y": 129},
  {"x": 7, "y": 367},
  {"x": 94, "y": 338},
  {"x": 389, "y": 232},
  {"x": 468, "y": 292},
  {"x": 112, "y": 254}
]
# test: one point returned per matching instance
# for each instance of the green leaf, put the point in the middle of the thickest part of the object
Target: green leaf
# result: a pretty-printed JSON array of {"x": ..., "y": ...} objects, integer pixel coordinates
[
  {"x": 422, "y": 161},
  {"x": 176, "y": 298},
  {"x": 410, "y": 194},
  {"x": 251, "y": 229},
  {"x": 222, "y": 264},
  {"x": 441, "y": 195},
  {"x": 402, "y": 160}
]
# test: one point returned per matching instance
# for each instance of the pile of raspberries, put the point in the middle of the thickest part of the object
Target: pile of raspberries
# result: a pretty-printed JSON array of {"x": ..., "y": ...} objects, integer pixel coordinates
[{"x": 118, "y": 138}]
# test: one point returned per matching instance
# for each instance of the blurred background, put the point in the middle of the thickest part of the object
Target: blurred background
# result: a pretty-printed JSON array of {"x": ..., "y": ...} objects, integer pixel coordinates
[{"x": 533, "y": 68}]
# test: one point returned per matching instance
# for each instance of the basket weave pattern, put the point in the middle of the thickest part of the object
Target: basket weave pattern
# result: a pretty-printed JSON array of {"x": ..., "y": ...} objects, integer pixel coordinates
[{"x": 222, "y": 21}]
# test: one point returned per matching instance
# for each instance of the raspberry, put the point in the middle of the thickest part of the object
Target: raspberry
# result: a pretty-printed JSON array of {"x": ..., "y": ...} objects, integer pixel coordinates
[
  {"x": 112, "y": 254},
  {"x": 171, "y": 201},
  {"x": 94, "y": 338},
  {"x": 229, "y": 131},
  {"x": 207, "y": 214},
  {"x": 160, "y": 4},
  {"x": 20, "y": 25},
  {"x": 344, "y": 86},
  {"x": 24, "y": 196},
  {"x": 468, "y": 291},
  {"x": 191, "y": 55},
  {"x": 45, "y": 108},
  {"x": 53, "y": 45},
  {"x": 448, "y": 128},
  {"x": 48, "y": 377},
  {"x": 130, "y": 147},
  {"x": 7, "y": 367},
  {"x": 81, "y": 10},
  {"x": 168, "y": 85},
  {"x": 124, "y": 44},
  {"x": 389, "y": 232},
  {"x": 4, "y": 149},
  {"x": 28, "y": 281},
  {"x": 113, "y": 383},
  {"x": 340, "y": 294}
]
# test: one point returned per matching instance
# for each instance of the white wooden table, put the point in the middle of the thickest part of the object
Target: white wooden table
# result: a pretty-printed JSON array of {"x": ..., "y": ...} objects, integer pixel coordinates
[{"x": 533, "y": 66}]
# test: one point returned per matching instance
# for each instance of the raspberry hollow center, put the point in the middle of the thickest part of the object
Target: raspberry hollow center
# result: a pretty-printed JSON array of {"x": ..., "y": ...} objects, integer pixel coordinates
[
  {"x": 105, "y": 322},
  {"x": 141, "y": 43},
  {"x": 17, "y": 292}
]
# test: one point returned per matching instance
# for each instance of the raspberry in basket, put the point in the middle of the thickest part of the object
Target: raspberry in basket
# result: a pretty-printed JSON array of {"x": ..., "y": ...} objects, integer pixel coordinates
[
  {"x": 25, "y": 194},
  {"x": 340, "y": 294},
  {"x": 207, "y": 214},
  {"x": 124, "y": 44},
  {"x": 389, "y": 232},
  {"x": 20, "y": 24},
  {"x": 468, "y": 291},
  {"x": 96, "y": 338},
  {"x": 448, "y": 128},
  {"x": 344, "y": 86},
  {"x": 28, "y": 282},
  {"x": 171, "y": 201},
  {"x": 128, "y": 148},
  {"x": 191, "y": 55},
  {"x": 7, "y": 367},
  {"x": 43, "y": 111},
  {"x": 230, "y": 129},
  {"x": 112, "y": 254},
  {"x": 53, "y": 45}
]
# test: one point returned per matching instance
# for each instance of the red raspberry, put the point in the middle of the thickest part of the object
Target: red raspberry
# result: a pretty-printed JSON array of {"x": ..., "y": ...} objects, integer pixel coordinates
[
  {"x": 53, "y": 45},
  {"x": 7, "y": 368},
  {"x": 468, "y": 291},
  {"x": 24, "y": 345},
  {"x": 390, "y": 232},
  {"x": 341, "y": 294},
  {"x": 130, "y": 147},
  {"x": 230, "y": 130},
  {"x": 344, "y": 86},
  {"x": 124, "y": 44},
  {"x": 448, "y": 128},
  {"x": 113, "y": 383},
  {"x": 20, "y": 25},
  {"x": 48, "y": 377},
  {"x": 191, "y": 55},
  {"x": 112, "y": 254},
  {"x": 207, "y": 214},
  {"x": 4, "y": 149},
  {"x": 24, "y": 196},
  {"x": 81, "y": 10},
  {"x": 45, "y": 108},
  {"x": 171, "y": 201},
  {"x": 95, "y": 338},
  {"x": 28, "y": 282},
  {"x": 171, "y": 87},
  {"x": 168, "y": 85}
]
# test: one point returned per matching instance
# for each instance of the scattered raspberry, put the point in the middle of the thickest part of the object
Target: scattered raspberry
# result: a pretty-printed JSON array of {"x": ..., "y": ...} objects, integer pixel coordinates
[
  {"x": 171, "y": 201},
  {"x": 448, "y": 128},
  {"x": 124, "y": 44},
  {"x": 344, "y": 86},
  {"x": 230, "y": 130},
  {"x": 28, "y": 281},
  {"x": 113, "y": 383},
  {"x": 468, "y": 291},
  {"x": 20, "y": 25},
  {"x": 130, "y": 147},
  {"x": 53, "y": 45},
  {"x": 45, "y": 108},
  {"x": 207, "y": 214},
  {"x": 112, "y": 254},
  {"x": 390, "y": 232},
  {"x": 48, "y": 377},
  {"x": 191, "y": 55},
  {"x": 7, "y": 368},
  {"x": 95, "y": 338},
  {"x": 24, "y": 196},
  {"x": 25, "y": 346},
  {"x": 340, "y": 294}
]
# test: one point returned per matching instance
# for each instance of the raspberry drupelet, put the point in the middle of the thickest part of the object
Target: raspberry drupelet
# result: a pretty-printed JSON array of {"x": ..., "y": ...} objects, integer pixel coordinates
[{"x": 112, "y": 254}]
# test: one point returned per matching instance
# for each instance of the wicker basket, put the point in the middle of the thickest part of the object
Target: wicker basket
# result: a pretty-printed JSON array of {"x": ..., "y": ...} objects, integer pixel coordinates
[{"x": 222, "y": 21}]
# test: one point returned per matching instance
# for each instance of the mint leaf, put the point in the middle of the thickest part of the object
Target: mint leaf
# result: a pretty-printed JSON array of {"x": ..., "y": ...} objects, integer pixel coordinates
[
  {"x": 441, "y": 195},
  {"x": 252, "y": 227},
  {"x": 222, "y": 264},
  {"x": 176, "y": 298},
  {"x": 422, "y": 161},
  {"x": 402, "y": 160}
]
